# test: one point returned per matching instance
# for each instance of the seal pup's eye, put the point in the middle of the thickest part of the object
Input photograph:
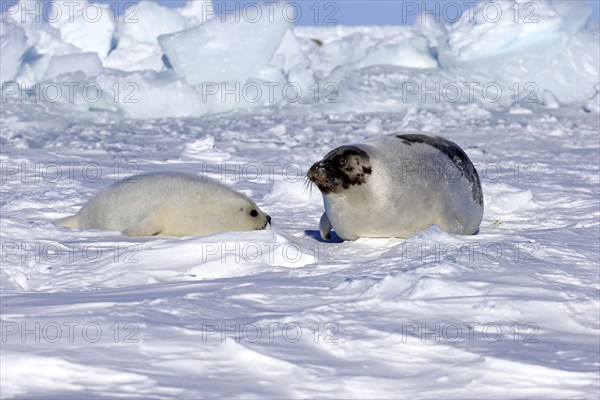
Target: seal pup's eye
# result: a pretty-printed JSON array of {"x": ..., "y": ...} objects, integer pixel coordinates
[
  {"x": 341, "y": 162},
  {"x": 254, "y": 213}
]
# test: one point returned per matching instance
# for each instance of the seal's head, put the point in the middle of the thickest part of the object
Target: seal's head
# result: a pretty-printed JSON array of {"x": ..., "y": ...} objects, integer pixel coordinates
[
  {"x": 242, "y": 214},
  {"x": 340, "y": 169}
]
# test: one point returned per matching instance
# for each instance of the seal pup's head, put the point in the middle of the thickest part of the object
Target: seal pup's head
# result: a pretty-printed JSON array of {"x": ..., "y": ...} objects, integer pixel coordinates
[
  {"x": 341, "y": 168},
  {"x": 245, "y": 215}
]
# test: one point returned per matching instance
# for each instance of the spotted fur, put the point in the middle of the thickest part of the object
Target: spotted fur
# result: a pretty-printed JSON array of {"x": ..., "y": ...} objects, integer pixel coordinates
[
  {"x": 454, "y": 153},
  {"x": 340, "y": 169}
]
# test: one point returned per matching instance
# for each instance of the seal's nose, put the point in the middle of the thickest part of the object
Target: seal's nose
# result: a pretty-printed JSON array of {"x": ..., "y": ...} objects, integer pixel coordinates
[
  {"x": 316, "y": 172},
  {"x": 268, "y": 219}
]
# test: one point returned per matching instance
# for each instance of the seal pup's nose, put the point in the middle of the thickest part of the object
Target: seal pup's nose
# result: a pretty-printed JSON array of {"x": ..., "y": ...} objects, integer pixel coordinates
[{"x": 269, "y": 219}]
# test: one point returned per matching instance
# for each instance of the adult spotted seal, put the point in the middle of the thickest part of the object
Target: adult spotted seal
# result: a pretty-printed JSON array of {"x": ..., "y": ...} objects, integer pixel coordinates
[{"x": 397, "y": 185}]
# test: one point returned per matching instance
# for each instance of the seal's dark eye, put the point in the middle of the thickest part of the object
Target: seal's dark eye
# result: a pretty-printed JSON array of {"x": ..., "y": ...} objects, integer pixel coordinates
[
  {"x": 254, "y": 213},
  {"x": 341, "y": 162}
]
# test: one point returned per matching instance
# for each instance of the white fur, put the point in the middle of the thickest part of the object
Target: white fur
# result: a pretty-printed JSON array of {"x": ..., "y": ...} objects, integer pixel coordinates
[
  {"x": 168, "y": 204},
  {"x": 397, "y": 202}
]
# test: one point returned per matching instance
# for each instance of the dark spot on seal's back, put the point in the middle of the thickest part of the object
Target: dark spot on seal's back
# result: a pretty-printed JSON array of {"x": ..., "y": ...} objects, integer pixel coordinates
[{"x": 454, "y": 153}]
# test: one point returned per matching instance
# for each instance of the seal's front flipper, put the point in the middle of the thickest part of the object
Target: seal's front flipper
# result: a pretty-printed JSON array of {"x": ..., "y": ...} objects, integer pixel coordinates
[
  {"x": 147, "y": 227},
  {"x": 68, "y": 222},
  {"x": 325, "y": 227}
]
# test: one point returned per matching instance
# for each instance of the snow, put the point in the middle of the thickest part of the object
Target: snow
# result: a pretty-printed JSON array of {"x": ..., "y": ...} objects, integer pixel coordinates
[
  {"x": 146, "y": 21},
  {"x": 545, "y": 33},
  {"x": 198, "y": 12},
  {"x": 13, "y": 45},
  {"x": 408, "y": 50},
  {"x": 229, "y": 51},
  {"x": 136, "y": 36},
  {"x": 511, "y": 312},
  {"x": 495, "y": 56},
  {"x": 149, "y": 94},
  {"x": 86, "y": 25},
  {"x": 88, "y": 63}
]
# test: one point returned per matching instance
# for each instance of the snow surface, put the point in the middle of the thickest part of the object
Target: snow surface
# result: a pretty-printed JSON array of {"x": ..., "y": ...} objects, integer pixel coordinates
[{"x": 512, "y": 312}]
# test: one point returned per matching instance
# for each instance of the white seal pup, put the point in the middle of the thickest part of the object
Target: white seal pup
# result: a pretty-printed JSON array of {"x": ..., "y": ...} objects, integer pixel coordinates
[
  {"x": 169, "y": 204},
  {"x": 397, "y": 185}
]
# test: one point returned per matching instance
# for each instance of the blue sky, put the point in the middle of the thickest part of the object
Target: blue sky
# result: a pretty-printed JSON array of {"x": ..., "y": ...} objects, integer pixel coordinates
[
  {"x": 373, "y": 12},
  {"x": 354, "y": 12}
]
